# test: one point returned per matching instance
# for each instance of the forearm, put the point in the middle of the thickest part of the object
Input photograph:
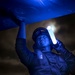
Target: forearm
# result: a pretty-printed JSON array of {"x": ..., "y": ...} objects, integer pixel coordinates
[
  {"x": 22, "y": 31},
  {"x": 66, "y": 54},
  {"x": 69, "y": 58},
  {"x": 59, "y": 47},
  {"x": 24, "y": 54}
]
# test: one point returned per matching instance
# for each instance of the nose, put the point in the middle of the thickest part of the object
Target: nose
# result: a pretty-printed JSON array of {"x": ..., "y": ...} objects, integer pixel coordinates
[{"x": 41, "y": 38}]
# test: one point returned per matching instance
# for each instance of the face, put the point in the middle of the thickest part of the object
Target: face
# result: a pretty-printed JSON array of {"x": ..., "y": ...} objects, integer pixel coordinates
[{"x": 43, "y": 41}]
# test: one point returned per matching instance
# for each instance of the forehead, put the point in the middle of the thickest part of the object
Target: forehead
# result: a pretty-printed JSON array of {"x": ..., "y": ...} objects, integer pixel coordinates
[{"x": 42, "y": 36}]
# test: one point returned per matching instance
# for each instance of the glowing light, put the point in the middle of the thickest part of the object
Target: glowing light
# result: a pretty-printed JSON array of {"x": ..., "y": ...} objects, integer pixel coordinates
[
  {"x": 50, "y": 30},
  {"x": 52, "y": 27}
]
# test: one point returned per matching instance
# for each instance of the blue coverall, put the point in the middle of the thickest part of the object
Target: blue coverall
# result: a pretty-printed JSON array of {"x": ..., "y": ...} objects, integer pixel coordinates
[{"x": 51, "y": 64}]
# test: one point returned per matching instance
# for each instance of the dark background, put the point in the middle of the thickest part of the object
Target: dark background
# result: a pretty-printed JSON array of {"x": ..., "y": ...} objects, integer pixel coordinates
[{"x": 9, "y": 61}]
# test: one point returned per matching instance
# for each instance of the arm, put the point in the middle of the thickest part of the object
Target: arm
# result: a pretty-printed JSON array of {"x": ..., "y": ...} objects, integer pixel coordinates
[
  {"x": 68, "y": 56},
  {"x": 24, "y": 54},
  {"x": 70, "y": 60}
]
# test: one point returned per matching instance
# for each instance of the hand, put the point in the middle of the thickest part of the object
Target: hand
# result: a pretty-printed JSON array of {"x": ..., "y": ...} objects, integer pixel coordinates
[
  {"x": 59, "y": 46},
  {"x": 8, "y": 13}
]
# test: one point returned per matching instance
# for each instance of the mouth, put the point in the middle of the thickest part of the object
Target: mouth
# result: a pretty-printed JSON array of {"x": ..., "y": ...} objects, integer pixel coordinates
[{"x": 42, "y": 41}]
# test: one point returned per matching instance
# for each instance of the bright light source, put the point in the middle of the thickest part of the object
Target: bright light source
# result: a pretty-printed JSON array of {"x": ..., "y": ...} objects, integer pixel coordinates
[
  {"x": 50, "y": 30},
  {"x": 49, "y": 27},
  {"x": 52, "y": 27}
]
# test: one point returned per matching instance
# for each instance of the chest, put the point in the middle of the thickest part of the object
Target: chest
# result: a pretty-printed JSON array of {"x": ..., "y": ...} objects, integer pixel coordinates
[{"x": 54, "y": 63}]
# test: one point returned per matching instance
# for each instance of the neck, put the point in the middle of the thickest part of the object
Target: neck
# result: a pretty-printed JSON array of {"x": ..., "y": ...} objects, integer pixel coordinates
[{"x": 46, "y": 49}]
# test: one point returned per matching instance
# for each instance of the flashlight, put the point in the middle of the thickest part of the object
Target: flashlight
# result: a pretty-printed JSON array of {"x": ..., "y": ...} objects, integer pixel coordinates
[{"x": 51, "y": 33}]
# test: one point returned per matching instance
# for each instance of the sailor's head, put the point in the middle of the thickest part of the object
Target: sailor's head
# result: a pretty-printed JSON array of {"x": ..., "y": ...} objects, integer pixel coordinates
[{"x": 41, "y": 37}]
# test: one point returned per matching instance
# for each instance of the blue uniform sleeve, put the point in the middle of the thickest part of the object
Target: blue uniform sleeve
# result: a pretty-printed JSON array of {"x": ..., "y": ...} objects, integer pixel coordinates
[
  {"x": 67, "y": 56},
  {"x": 24, "y": 54},
  {"x": 70, "y": 60}
]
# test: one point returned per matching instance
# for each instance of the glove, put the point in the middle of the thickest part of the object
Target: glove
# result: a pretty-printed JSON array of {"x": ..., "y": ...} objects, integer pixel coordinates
[
  {"x": 8, "y": 13},
  {"x": 59, "y": 46}
]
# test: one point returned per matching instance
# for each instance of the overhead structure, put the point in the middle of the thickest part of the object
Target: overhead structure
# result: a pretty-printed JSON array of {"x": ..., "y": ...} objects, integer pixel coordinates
[{"x": 34, "y": 10}]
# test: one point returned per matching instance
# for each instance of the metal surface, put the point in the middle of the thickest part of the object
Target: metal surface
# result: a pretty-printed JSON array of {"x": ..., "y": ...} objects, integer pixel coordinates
[{"x": 34, "y": 10}]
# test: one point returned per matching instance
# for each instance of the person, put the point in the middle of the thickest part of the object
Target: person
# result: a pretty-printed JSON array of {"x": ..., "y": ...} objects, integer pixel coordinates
[{"x": 43, "y": 61}]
